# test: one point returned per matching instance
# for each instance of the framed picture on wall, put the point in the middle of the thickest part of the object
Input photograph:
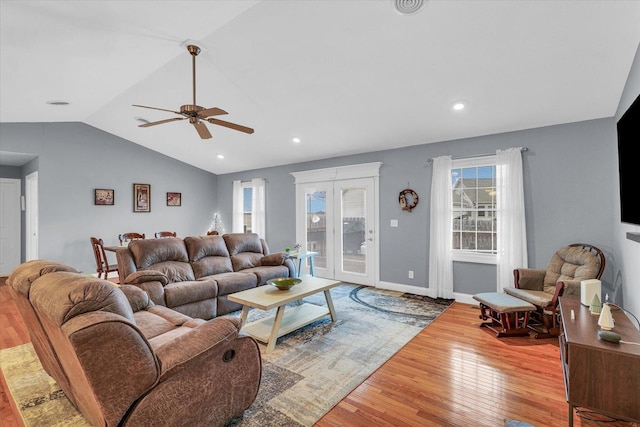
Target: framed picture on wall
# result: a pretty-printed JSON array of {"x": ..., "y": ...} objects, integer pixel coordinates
[
  {"x": 142, "y": 197},
  {"x": 174, "y": 199},
  {"x": 103, "y": 196}
]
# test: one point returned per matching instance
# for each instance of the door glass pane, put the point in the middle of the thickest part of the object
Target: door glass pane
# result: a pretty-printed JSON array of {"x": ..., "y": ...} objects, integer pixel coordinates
[
  {"x": 316, "y": 205},
  {"x": 354, "y": 248}
]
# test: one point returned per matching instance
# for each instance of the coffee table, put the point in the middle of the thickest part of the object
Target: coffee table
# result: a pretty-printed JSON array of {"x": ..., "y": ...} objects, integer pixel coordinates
[{"x": 268, "y": 297}]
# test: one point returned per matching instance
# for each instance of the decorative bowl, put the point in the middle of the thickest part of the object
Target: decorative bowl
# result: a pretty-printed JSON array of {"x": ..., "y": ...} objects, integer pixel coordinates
[{"x": 284, "y": 283}]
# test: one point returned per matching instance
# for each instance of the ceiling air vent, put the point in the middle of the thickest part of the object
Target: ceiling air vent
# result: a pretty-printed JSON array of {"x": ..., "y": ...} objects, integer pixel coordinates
[
  {"x": 408, "y": 7},
  {"x": 58, "y": 102}
]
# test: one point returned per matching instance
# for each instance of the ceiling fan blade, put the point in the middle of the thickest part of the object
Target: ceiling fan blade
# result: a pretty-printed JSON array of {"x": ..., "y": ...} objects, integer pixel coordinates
[
  {"x": 230, "y": 125},
  {"x": 202, "y": 130},
  {"x": 159, "y": 122},
  {"x": 215, "y": 111},
  {"x": 154, "y": 108}
]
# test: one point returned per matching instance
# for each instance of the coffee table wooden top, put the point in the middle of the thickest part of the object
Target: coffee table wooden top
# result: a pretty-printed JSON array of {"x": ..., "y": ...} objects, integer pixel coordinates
[{"x": 267, "y": 297}]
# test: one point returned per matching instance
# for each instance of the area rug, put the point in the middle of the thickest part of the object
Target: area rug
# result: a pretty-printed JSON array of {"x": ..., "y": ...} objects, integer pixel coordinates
[{"x": 307, "y": 373}]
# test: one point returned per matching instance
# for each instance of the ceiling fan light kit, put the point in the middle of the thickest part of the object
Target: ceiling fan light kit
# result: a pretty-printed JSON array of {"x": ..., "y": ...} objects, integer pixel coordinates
[{"x": 196, "y": 114}]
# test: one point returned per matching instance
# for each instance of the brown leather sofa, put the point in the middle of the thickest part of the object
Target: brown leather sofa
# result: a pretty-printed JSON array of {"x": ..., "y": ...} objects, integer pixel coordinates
[
  {"x": 195, "y": 275},
  {"x": 124, "y": 361}
]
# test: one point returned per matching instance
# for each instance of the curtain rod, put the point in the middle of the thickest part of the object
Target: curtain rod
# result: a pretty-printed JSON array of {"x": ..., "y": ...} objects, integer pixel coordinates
[{"x": 478, "y": 155}]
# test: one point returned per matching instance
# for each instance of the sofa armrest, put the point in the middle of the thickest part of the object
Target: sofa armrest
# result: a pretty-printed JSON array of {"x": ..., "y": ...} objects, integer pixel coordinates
[
  {"x": 571, "y": 288},
  {"x": 143, "y": 276},
  {"x": 150, "y": 281},
  {"x": 529, "y": 278},
  {"x": 213, "y": 335},
  {"x": 277, "y": 258}
]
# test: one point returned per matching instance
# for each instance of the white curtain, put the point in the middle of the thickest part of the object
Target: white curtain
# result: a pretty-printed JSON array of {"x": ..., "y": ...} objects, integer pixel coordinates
[
  {"x": 258, "y": 210},
  {"x": 238, "y": 208},
  {"x": 511, "y": 225},
  {"x": 440, "y": 246}
]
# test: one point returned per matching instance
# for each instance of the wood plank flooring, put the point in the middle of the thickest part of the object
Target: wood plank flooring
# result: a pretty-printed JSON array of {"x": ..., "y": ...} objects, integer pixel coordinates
[{"x": 452, "y": 374}]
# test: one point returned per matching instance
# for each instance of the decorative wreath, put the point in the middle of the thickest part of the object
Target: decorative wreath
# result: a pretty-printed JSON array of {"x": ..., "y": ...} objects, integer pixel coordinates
[{"x": 408, "y": 199}]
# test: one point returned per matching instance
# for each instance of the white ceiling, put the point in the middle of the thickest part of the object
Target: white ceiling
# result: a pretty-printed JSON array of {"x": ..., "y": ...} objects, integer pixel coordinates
[{"x": 344, "y": 76}]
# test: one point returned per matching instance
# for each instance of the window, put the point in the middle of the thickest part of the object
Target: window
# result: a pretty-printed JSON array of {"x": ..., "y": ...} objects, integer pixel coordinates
[
  {"x": 247, "y": 196},
  {"x": 249, "y": 206},
  {"x": 474, "y": 209}
]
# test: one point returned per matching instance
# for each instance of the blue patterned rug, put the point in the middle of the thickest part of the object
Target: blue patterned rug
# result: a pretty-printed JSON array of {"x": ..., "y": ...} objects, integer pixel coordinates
[{"x": 314, "y": 368}]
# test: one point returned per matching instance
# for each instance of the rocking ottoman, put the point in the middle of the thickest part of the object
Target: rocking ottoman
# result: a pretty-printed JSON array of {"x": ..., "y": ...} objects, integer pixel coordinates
[{"x": 508, "y": 315}]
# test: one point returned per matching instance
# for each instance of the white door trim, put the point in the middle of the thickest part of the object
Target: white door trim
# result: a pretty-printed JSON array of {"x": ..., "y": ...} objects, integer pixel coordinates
[
  {"x": 329, "y": 175},
  {"x": 31, "y": 216}
]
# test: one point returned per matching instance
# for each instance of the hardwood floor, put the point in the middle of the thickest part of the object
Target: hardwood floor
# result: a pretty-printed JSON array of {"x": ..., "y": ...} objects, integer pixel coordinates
[{"x": 452, "y": 374}]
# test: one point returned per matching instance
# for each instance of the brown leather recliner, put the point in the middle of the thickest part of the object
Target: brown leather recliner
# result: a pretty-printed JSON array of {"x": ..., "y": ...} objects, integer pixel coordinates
[
  {"x": 542, "y": 287},
  {"x": 130, "y": 362},
  {"x": 20, "y": 281}
]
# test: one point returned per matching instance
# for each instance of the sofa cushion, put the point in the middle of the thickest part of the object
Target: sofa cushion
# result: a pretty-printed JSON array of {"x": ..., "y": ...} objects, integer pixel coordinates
[
  {"x": 245, "y": 260},
  {"x": 242, "y": 242},
  {"x": 208, "y": 255},
  {"x": 229, "y": 283},
  {"x": 148, "y": 252},
  {"x": 188, "y": 291},
  {"x": 266, "y": 273},
  {"x": 175, "y": 271},
  {"x": 537, "y": 298}
]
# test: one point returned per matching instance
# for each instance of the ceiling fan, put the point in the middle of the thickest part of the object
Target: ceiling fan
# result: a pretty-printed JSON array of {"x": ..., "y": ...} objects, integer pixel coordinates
[{"x": 196, "y": 114}]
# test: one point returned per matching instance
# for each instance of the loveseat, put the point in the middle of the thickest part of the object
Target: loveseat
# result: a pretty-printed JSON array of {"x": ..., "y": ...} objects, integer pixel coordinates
[
  {"x": 124, "y": 361},
  {"x": 195, "y": 275}
]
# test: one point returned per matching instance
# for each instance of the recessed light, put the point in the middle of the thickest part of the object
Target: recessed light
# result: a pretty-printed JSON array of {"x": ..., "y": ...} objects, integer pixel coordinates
[
  {"x": 58, "y": 103},
  {"x": 460, "y": 105},
  {"x": 220, "y": 156},
  {"x": 296, "y": 140}
]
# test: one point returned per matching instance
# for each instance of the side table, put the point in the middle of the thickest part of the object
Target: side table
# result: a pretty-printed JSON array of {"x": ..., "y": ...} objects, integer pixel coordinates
[{"x": 301, "y": 256}]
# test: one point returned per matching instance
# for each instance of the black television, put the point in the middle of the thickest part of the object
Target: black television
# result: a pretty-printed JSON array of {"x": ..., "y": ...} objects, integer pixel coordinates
[{"x": 629, "y": 163}]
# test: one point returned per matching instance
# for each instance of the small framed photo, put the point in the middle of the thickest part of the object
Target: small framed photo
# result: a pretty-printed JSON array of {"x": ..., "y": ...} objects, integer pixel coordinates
[
  {"x": 174, "y": 199},
  {"x": 141, "y": 197},
  {"x": 104, "y": 197}
]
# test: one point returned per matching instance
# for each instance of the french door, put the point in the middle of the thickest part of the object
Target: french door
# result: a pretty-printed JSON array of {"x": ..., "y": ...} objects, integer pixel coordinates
[{"x": 337, "y": 219}]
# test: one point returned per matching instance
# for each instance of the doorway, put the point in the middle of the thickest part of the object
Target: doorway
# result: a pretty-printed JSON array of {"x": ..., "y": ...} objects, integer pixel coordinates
[
  {"x": 10, "y": 225},
  {"x": 337, "y": 218}
]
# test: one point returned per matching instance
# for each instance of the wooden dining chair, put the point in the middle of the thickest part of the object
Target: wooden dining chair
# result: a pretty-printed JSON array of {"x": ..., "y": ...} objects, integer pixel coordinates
[
  {"x": 102, "y": 263},
  {"x": 160, "y": 234},
  {"x": 212, "y": 233},
  {"x": 125, "y": 237}
]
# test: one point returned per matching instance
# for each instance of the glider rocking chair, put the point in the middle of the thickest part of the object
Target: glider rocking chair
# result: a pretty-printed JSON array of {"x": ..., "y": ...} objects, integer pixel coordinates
[{"x": 542, "y": 288}]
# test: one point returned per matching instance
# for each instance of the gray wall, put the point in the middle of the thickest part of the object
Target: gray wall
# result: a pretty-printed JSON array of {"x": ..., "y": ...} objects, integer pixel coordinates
[
  {"x": 571, "y": 188},
  {"x": 74, "y": 159},
  {"x": 627, "y": 252},
  {"x": 566, "y": 173}
]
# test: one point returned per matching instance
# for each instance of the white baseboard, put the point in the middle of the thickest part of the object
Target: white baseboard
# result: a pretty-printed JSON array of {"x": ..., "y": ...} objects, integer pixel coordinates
[{"x": 424, "y": 291}]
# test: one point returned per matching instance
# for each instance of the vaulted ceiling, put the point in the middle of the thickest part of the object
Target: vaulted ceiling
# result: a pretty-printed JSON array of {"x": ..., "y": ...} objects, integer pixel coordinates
[{"x": 344, "y": 76}]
